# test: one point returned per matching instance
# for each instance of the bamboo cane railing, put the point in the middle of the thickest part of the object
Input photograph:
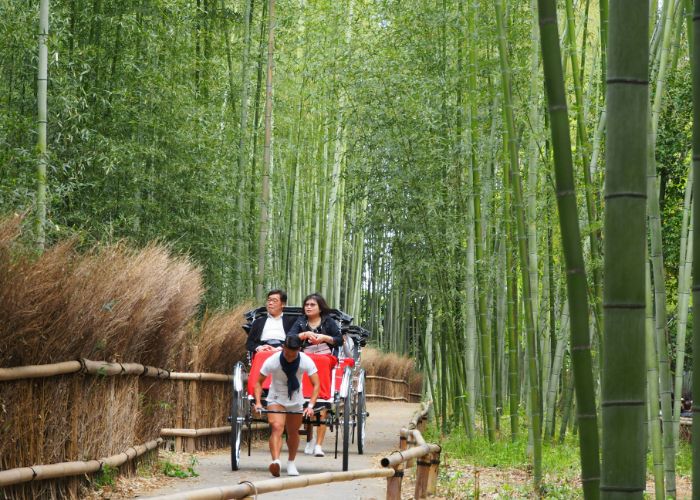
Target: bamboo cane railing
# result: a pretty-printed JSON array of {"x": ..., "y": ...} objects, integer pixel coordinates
[
  {"x": 402, "y": 393},
  {"x": 392, "y": 469},
  {"x": 103, "y": 368},
  {"x": 77, "y": 468}
]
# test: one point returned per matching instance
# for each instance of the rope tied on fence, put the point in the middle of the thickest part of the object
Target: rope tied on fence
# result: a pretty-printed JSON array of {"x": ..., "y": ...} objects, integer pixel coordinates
[{"x": 252, "y": 485}]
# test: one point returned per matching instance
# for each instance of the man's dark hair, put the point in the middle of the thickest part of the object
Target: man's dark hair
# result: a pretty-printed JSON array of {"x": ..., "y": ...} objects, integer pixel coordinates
[
  {"x": 280, "y": 292},
  {"x": 292, "y": 342}
]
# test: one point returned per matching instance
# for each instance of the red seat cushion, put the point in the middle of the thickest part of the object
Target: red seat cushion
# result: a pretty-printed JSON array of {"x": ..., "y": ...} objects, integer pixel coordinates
[{"x": 324, "y": 364}]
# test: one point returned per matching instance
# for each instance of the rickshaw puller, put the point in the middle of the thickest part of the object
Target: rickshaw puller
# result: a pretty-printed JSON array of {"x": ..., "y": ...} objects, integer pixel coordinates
[{"x": 286, "y": 369}]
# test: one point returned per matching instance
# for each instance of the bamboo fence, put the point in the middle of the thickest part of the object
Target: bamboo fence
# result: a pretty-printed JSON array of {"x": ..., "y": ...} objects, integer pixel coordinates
[
  {"x": 85, "y": 409},
  {"x": 82, "y": 410}
]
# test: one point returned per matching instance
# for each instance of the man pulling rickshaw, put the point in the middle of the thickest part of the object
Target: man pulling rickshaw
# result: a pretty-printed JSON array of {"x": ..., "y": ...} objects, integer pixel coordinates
[{"x": 285, "y": 400}]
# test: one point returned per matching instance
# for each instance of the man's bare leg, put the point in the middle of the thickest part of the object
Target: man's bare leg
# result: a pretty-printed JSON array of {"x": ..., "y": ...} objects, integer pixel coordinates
[
  {"x": 321, "y": 432},
  {"x": 293, "y": 424},
  {"x": 276, "y": 421}
]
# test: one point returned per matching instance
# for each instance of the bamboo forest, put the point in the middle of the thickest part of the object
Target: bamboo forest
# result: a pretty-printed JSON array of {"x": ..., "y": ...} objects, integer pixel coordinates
[{"x": 501, "y": 190}]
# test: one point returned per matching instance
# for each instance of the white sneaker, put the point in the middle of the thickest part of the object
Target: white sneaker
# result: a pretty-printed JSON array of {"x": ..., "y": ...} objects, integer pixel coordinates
[
  {"x": 318, "y": 451},
  {"x": 309, "y": 448},
  {"x": 274, "y": 468},
  {"x": 292, "y": 469}
]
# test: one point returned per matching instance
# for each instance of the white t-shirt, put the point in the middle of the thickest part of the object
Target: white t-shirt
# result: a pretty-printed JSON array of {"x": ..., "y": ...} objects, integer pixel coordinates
[
  {"x": 273, "y": 329},
  {"x": 278, "y": 388}
]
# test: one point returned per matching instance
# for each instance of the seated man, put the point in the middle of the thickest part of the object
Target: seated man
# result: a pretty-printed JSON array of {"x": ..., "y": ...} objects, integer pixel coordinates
[
  {"x": 286, "y": 369},
  {"x": 267, "y": 333}
]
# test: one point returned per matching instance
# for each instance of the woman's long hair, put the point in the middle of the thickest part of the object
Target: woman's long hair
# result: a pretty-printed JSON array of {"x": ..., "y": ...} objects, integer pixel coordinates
[{"x": 322, "y": 304}]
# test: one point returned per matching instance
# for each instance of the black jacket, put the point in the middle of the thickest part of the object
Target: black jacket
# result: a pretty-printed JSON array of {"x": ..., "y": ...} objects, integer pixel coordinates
[
  {"x": 328, "y": 327},
  {"x": 257, "y": 327}
]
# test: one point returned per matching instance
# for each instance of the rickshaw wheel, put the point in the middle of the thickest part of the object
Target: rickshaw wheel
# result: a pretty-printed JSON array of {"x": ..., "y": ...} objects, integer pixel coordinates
[
  {"x": 347, "y": 415},
  {"x": 237, "y": 415},
  {"x": 361, "y": 415},
  {"x": 347, "y": 412}
]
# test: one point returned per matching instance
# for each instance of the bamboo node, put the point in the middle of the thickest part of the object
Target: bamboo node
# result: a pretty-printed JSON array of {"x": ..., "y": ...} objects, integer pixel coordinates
[
  {"x": 252, "y": 485},
  {"x": 631, "y": 81},
  {"x": 548, "y": 20},
  {"x": 622, "y": 489},
  {"x": 611, "y": 305},
  {"x": 630, "y": 402},
  {"x": 586, "y": 347},
  {"x": 626, "y": 194}
]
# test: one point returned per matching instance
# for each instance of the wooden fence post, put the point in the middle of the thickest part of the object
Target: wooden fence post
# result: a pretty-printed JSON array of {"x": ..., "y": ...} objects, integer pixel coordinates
[
  {"x": 193, "y": 393},
  {"x": 422, "y": 475},
  {"x": 410, "y": 440},
  {"x": 431, "y": 487},
  {"x": 421, "y": 424},
  {"x": 393, "y": 483}
]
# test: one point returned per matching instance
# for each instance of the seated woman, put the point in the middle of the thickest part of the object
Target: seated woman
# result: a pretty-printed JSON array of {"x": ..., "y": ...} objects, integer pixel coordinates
[{"x": 321, "y": 335}]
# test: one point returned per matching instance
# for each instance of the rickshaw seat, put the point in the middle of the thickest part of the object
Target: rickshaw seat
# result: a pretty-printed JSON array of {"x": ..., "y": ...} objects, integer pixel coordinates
[{"x": 324, "y": 364}]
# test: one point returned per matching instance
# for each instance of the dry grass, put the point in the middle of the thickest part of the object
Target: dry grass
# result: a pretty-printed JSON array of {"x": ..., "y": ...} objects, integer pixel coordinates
[
  {"x": 113, "y": 303},
  {"x": 221, "y": 340},
  {"x": 391, "y": 366}
]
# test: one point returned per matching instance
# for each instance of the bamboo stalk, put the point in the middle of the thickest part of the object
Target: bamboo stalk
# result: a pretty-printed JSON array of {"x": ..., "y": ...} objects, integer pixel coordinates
[
  {"x": 203, "y": 377},
  {"x": 77, "y": 468},
  {"x": 389, "y": 398},
  {"x": 653, "y": 391},
  {"x": 42, "y": 158},
  {"x": 623, "y": 384},
  {"x": 571, "y": 242},
  {"x": 104, "y": 368},
  {"x": 378, "y": 377},
  {"x": 209, "y": 431},
  {"x": 270, "y": 485},
  {"x": 417, "y": 451},
  {"x": 39, "y": 371},
  {"x": 695, "y": 65}
]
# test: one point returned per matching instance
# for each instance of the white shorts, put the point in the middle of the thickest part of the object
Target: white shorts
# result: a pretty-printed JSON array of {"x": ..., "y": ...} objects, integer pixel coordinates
[{"x": 287, "y": 405}]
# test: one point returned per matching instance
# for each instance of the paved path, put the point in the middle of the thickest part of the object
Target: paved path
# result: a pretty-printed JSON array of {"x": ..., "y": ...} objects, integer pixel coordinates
[{"x": 382, "y": 429}]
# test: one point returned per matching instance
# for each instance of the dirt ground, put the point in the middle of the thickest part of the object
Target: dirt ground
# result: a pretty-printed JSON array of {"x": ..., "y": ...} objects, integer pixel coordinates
[
  {"x": 214, "y": 468},
  {"x": 458, "y": 479}
]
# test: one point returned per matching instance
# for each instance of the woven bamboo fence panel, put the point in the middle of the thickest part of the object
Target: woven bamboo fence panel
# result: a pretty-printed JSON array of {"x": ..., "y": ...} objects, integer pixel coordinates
[{"x": 102, "y": 409}]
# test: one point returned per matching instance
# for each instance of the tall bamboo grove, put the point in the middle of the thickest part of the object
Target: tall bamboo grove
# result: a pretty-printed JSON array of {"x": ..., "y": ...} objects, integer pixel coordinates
[{"x": 624, "y": 378}]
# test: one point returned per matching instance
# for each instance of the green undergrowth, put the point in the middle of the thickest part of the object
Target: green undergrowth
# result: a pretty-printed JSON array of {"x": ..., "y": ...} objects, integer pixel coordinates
[
  {"x": 179, "y": 470},
  {"x": 475, "y": 466},
  {"x": 559, "y": 459}
]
